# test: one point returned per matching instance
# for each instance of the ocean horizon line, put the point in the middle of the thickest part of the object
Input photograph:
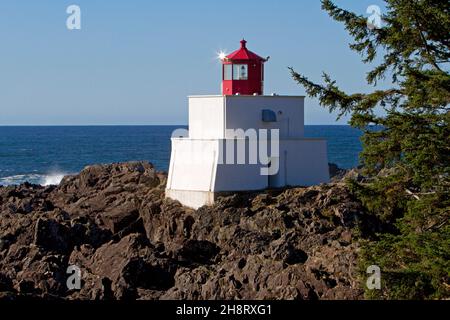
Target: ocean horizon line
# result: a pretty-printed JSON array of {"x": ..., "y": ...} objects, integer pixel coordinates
[
  {"x": 129, "y": 125},
  {"x": 40, "y": 154}
]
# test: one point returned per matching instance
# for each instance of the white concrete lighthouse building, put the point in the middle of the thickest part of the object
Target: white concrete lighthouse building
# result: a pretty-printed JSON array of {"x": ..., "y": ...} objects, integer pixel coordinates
[{"x": 242, "y": 139}]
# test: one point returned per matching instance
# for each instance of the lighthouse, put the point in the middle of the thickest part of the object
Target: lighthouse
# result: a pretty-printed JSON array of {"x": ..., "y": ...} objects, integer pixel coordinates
[
  {"x": 243, "y": 140},
  {"x": 243, "y": 72}
]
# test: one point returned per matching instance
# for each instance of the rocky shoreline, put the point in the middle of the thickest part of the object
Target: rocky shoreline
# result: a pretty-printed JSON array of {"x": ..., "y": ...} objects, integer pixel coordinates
[{"x": 113, "y": 223}]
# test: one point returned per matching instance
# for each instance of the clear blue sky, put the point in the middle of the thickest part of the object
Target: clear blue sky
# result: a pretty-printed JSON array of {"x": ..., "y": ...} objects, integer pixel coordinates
[{"x": 135, "y": 61}]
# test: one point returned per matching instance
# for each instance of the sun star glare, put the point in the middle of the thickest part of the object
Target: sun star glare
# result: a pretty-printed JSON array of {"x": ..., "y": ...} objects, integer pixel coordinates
[{"x": 221, "y": 55}]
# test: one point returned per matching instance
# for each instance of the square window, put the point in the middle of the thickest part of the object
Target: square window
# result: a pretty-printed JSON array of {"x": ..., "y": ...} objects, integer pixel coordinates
[
  {"x": 240, "y": 72},
  {"x": 227, "y": 72}
]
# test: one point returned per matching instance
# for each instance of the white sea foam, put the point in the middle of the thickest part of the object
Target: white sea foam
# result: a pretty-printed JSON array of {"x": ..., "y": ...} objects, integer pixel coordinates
[
  {"x": 53, "y": 179},
  {"x": 42, "y": 179},
  {"x": 19, "y": 178}
]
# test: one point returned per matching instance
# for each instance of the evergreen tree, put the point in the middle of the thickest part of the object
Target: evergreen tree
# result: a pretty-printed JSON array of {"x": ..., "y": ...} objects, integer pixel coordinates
[{"x": 406, "y": 155}]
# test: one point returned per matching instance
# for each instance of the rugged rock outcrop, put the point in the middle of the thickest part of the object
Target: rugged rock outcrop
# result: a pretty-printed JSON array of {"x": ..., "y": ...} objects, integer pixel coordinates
[{"x": 113, "y": 223}]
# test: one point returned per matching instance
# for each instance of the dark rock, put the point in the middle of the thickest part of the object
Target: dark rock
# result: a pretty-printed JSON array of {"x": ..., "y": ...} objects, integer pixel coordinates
[
  {"x": 354, "y": 174},
  {"x": 6, "y": 283},
  {"x": 107, "y": 293},
  {"x": 51, "y": 235},
  {"x": 199, "y": 251},
  {"x": 128, "y": 264},
  {"x": 88, "y": 233},
  {"x": 285, "y": 249},
  {"x": 336, "y": 172},
  {"x": 27, "y": 287},
  {"x": 4, "y": 244},
  {"x": 241, "y": 263},
  {"x": 120, "y": 217},
  {"x": 142, "y": 274},
  {"x": 113, "y": 222}
]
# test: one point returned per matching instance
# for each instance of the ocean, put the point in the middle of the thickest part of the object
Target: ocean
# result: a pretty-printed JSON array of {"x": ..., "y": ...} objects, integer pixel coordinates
[{"x": 44, "y": 154}]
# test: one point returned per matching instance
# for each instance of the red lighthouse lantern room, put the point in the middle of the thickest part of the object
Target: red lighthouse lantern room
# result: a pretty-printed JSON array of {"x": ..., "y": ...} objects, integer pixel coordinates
[{"x": 243, "y": 72}]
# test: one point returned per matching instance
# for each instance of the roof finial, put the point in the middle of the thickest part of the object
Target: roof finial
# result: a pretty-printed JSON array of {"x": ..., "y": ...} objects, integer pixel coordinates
[{"x": 243, "y": 42}]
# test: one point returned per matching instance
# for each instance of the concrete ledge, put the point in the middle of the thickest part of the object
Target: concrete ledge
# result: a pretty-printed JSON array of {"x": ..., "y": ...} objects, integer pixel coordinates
[{"x": 191, "y": 199}]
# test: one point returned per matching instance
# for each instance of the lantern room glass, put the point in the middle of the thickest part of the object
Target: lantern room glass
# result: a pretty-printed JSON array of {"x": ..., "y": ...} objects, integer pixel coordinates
[
  {"x": 240, "y": 72},
  {"x": 227, "y": 72}
]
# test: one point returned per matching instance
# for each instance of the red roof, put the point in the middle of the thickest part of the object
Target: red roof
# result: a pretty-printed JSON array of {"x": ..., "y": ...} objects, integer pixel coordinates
[{"x": 243, "y": 54}]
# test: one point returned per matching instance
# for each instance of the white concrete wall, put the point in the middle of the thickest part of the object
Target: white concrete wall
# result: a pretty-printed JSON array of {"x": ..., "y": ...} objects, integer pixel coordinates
[
  {"x": 192, "y": 164},
  {"x": 206, "y": 117},
  {"x": 209, "y": 116},
  {"x": 203, "y": 165},
  {"x": 199, "y": 166},
  {"x": 244, "y": 112},
  {"x": 303, "y": 162},
  {"x": 239, "y": 177},
  {"x": 236, "y": 169}
]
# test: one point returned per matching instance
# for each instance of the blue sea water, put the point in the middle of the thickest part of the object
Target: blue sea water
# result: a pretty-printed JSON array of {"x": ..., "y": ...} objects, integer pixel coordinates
[{"x": 44, "y": 155}]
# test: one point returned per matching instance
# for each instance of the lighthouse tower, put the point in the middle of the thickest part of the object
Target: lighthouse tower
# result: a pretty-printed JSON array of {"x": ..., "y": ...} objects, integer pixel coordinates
[
  {"x": 243, "y": 140},
  {"x": 243, "y": 72}
]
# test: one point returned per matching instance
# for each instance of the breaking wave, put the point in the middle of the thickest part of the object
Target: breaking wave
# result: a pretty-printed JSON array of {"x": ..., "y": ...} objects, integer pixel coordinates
[
  {"x": 42, "y": 179},
  {"x": 53, "y": 179}
]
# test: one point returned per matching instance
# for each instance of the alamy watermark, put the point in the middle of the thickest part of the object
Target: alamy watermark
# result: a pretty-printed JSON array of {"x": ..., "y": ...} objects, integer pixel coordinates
[
  {"x": 241, "y": 147},
  {"x": 374, "y": 280},
  {"x": 74, "y": 280},
  {"x": 374, "y": 21},
  {"x": 73, "y": 21}
]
